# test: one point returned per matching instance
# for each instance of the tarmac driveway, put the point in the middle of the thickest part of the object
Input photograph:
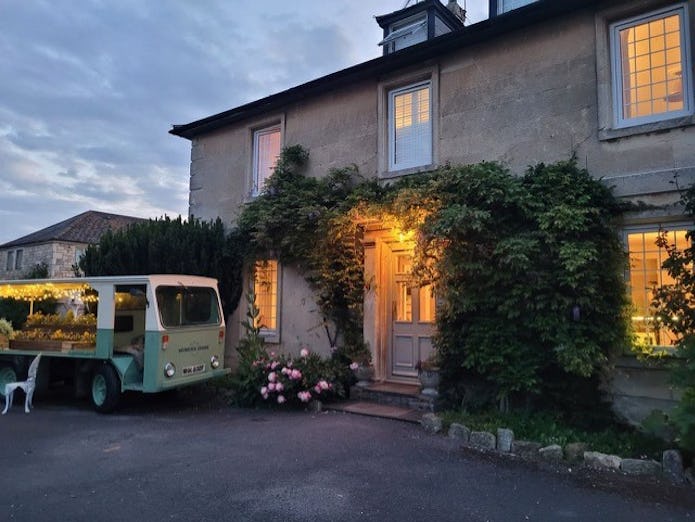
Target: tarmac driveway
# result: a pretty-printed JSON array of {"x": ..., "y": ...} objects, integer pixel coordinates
[{"x": 160, "y": 460}]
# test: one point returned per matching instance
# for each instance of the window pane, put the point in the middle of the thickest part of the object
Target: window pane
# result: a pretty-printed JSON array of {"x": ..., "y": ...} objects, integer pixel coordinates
[
  {"x": 647, "y": 47},
  {"x": 426, "y": 304},
  {"x": 18, "y": 259},
  {"x": 404, "y": 301},
  {"x": 266, "y": 151},
  {"x": 646, "y": 275},
  {"x": 411, "y": 128},
  {"x": 10, "y": 261},
  {"x": 181, "y": 306},
  {"x": 265, "y": 287}
]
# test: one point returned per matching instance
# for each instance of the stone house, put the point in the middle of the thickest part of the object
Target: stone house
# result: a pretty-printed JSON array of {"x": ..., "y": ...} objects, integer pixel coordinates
[
  {"x": 608, "y": 81},
  {"x": 59, "y": 246}
]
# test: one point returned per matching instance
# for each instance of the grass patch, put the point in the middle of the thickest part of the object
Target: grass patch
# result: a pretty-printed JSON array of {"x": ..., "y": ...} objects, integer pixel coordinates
[{"x": 547, "y": 429}]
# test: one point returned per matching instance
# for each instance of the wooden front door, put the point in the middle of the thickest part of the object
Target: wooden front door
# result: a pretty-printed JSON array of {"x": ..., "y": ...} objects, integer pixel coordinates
[{"x": 411, "y": 319}]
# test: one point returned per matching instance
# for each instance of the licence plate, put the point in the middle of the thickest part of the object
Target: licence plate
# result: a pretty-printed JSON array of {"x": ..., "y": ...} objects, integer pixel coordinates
[{"x": 196, "y": 368}]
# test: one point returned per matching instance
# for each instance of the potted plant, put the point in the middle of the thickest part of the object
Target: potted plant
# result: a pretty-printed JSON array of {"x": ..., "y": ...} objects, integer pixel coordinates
[
  {"x": 362, "y": 366},
  {"x": 428, "y": 373},
  {"x": 6, "y": 333}
]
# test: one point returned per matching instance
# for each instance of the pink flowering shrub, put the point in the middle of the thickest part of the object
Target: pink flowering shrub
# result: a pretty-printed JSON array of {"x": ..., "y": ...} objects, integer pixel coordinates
[{"x": 282, "y": 379}]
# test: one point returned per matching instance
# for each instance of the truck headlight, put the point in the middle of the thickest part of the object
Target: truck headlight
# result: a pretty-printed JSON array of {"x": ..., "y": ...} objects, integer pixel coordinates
[
  {"x": 214, "y": 362},
  {"x": 169, "y": 369}
]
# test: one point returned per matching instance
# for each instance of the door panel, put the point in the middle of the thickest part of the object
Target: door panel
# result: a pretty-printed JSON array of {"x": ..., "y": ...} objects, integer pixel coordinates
[{"x": 411, "y": 319}]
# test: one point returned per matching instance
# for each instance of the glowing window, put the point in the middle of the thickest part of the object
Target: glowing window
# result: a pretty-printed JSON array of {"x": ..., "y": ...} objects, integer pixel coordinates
[
  {"x": 410, "y": 127},
  {"x": 265, "y": 286},
  {"x": 646, "y": 275},
  {"x": 651, "y": 72},
  {"x": 266, "y": 149}
]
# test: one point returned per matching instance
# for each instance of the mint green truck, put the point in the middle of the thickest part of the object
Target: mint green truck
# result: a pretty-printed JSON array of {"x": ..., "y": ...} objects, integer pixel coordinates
[{"x": 148, "y": 333}]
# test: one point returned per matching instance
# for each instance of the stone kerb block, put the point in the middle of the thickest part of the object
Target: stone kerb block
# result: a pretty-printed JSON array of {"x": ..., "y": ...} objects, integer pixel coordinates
[
  {"x": 483, "y": 440},
  {"x": 431, "y": 423},
  {"x": 525, "y": 448},
  {"x": 575, "y": 450},
  {"x": 459, "y": 432},
  {"x": 601, "y": 460},
  {"x": 672, "y": 463},
  {"x": 552, "y": 452},
  {"x": 505, "y": 438},
  {"x": 640, "y": 467}
]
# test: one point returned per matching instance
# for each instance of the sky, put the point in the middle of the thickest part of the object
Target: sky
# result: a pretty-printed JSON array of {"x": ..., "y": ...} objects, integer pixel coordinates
[{"x": 90, "y": 88}]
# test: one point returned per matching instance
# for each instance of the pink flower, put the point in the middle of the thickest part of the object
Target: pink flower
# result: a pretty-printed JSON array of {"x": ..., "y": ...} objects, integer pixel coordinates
[
  {"x": 281, "y": 399},
  {"x": 323, "y": 385},
  {"x": 271, "y": 386},
  {"x": 295, "y": 375},
  {"x": 265, "y": 396},
  {"x": 264, "y": 390},
  {"x": 272, "y": 377},
  {"x": 304, "y": 352},
  {"x": 317, "y": 389},
  {"x": 279, "y": 387},
  {"x": 274, "y": 365},
  {"x": 354, "y": 366},
  {"x": 304, "y": 396}
]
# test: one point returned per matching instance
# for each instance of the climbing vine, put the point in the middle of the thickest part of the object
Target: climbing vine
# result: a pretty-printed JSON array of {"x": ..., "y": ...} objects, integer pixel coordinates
[{"x": 528, "y": 270}]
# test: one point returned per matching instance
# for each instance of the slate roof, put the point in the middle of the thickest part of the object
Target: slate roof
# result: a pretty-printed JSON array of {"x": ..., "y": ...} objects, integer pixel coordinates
[
  {"x": 539, "y": 12},
  {"x": 87, "y": 227}
]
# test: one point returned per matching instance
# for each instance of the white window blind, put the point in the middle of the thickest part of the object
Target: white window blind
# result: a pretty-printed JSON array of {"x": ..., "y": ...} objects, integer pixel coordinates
[
  {"x": 266, "y": 149},
  {"x": 410, "y": 127}
]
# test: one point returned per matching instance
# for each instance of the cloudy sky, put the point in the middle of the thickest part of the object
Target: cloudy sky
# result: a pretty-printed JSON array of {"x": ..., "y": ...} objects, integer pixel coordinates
[{"x": 90, "y": 89}]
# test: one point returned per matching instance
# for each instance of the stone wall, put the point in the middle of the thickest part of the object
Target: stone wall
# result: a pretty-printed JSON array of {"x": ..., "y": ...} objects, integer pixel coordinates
[{"x": 58, "y": 256}]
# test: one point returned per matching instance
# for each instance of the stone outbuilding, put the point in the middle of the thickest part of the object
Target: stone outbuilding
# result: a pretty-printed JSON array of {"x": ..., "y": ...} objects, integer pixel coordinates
[{"x": 59, "y": 246}]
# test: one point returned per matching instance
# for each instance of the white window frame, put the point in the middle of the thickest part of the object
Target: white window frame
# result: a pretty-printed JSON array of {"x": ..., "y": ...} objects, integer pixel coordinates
[
  {"x": 646, "y": 229},
  {"x": 427, "y": 158},
  {"x": 405, "y": 33},
  {"x": 258, "y": 179},
  {"x": 504, "y": 6},
  {"x": 617, "y": 74},
  {"x": 271, "y": 335}
]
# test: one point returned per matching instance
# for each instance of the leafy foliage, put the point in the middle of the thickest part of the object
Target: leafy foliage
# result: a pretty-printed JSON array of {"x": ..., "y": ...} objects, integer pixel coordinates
[
  {"x": 306, "y": 222},
  {"x": 547, "y": 428},
  {"x": 675, "y": 306},
  {"x": 172, "y": 246},
  {"x": 528, "y": 270}
]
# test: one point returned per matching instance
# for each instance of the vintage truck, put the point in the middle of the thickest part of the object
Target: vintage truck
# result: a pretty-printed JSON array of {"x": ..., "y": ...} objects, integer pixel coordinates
[{"x": 145, "y": 333}]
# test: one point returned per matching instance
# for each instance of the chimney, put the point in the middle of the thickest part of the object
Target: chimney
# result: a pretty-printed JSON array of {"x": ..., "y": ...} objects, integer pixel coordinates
[{"x": 457, "y": 10}]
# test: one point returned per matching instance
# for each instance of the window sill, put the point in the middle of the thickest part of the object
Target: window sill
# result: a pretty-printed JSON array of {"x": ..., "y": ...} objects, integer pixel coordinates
[
  {"x": 389, "y": 174},
  {"x": 646, "y": 128},
  {"x": 270, "y": 337}
]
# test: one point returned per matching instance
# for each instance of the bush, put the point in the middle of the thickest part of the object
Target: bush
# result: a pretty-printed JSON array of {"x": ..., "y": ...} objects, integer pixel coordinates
[{"x": 6, "y": 328}]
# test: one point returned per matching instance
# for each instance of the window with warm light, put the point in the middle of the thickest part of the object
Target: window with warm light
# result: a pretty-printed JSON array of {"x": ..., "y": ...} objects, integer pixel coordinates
[
  {"x": 646, "y": 275},
  {"x": 410, "y": 127},
  {"x": 265, "y": 287},
  {"x": 266, "y": 150},
  {"x": 651, "y": 67}
]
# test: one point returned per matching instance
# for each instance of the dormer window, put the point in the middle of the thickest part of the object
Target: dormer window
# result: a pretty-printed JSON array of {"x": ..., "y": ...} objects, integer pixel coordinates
[
  {"x": 498, "y": 7},
  {"x": 419, "y": 22},
  {"x": 406, "y": 33}
]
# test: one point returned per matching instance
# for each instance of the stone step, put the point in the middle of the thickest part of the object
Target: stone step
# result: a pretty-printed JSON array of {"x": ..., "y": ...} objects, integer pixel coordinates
[
  {"x": 393, "y": 394},
  {"x": 372, "y": 409}
]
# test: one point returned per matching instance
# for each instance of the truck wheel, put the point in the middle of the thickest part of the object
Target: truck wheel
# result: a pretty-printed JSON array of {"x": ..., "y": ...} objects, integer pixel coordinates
[
  {"x": 7, "y": 374},
  {"x": 106, "y": 389}
]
